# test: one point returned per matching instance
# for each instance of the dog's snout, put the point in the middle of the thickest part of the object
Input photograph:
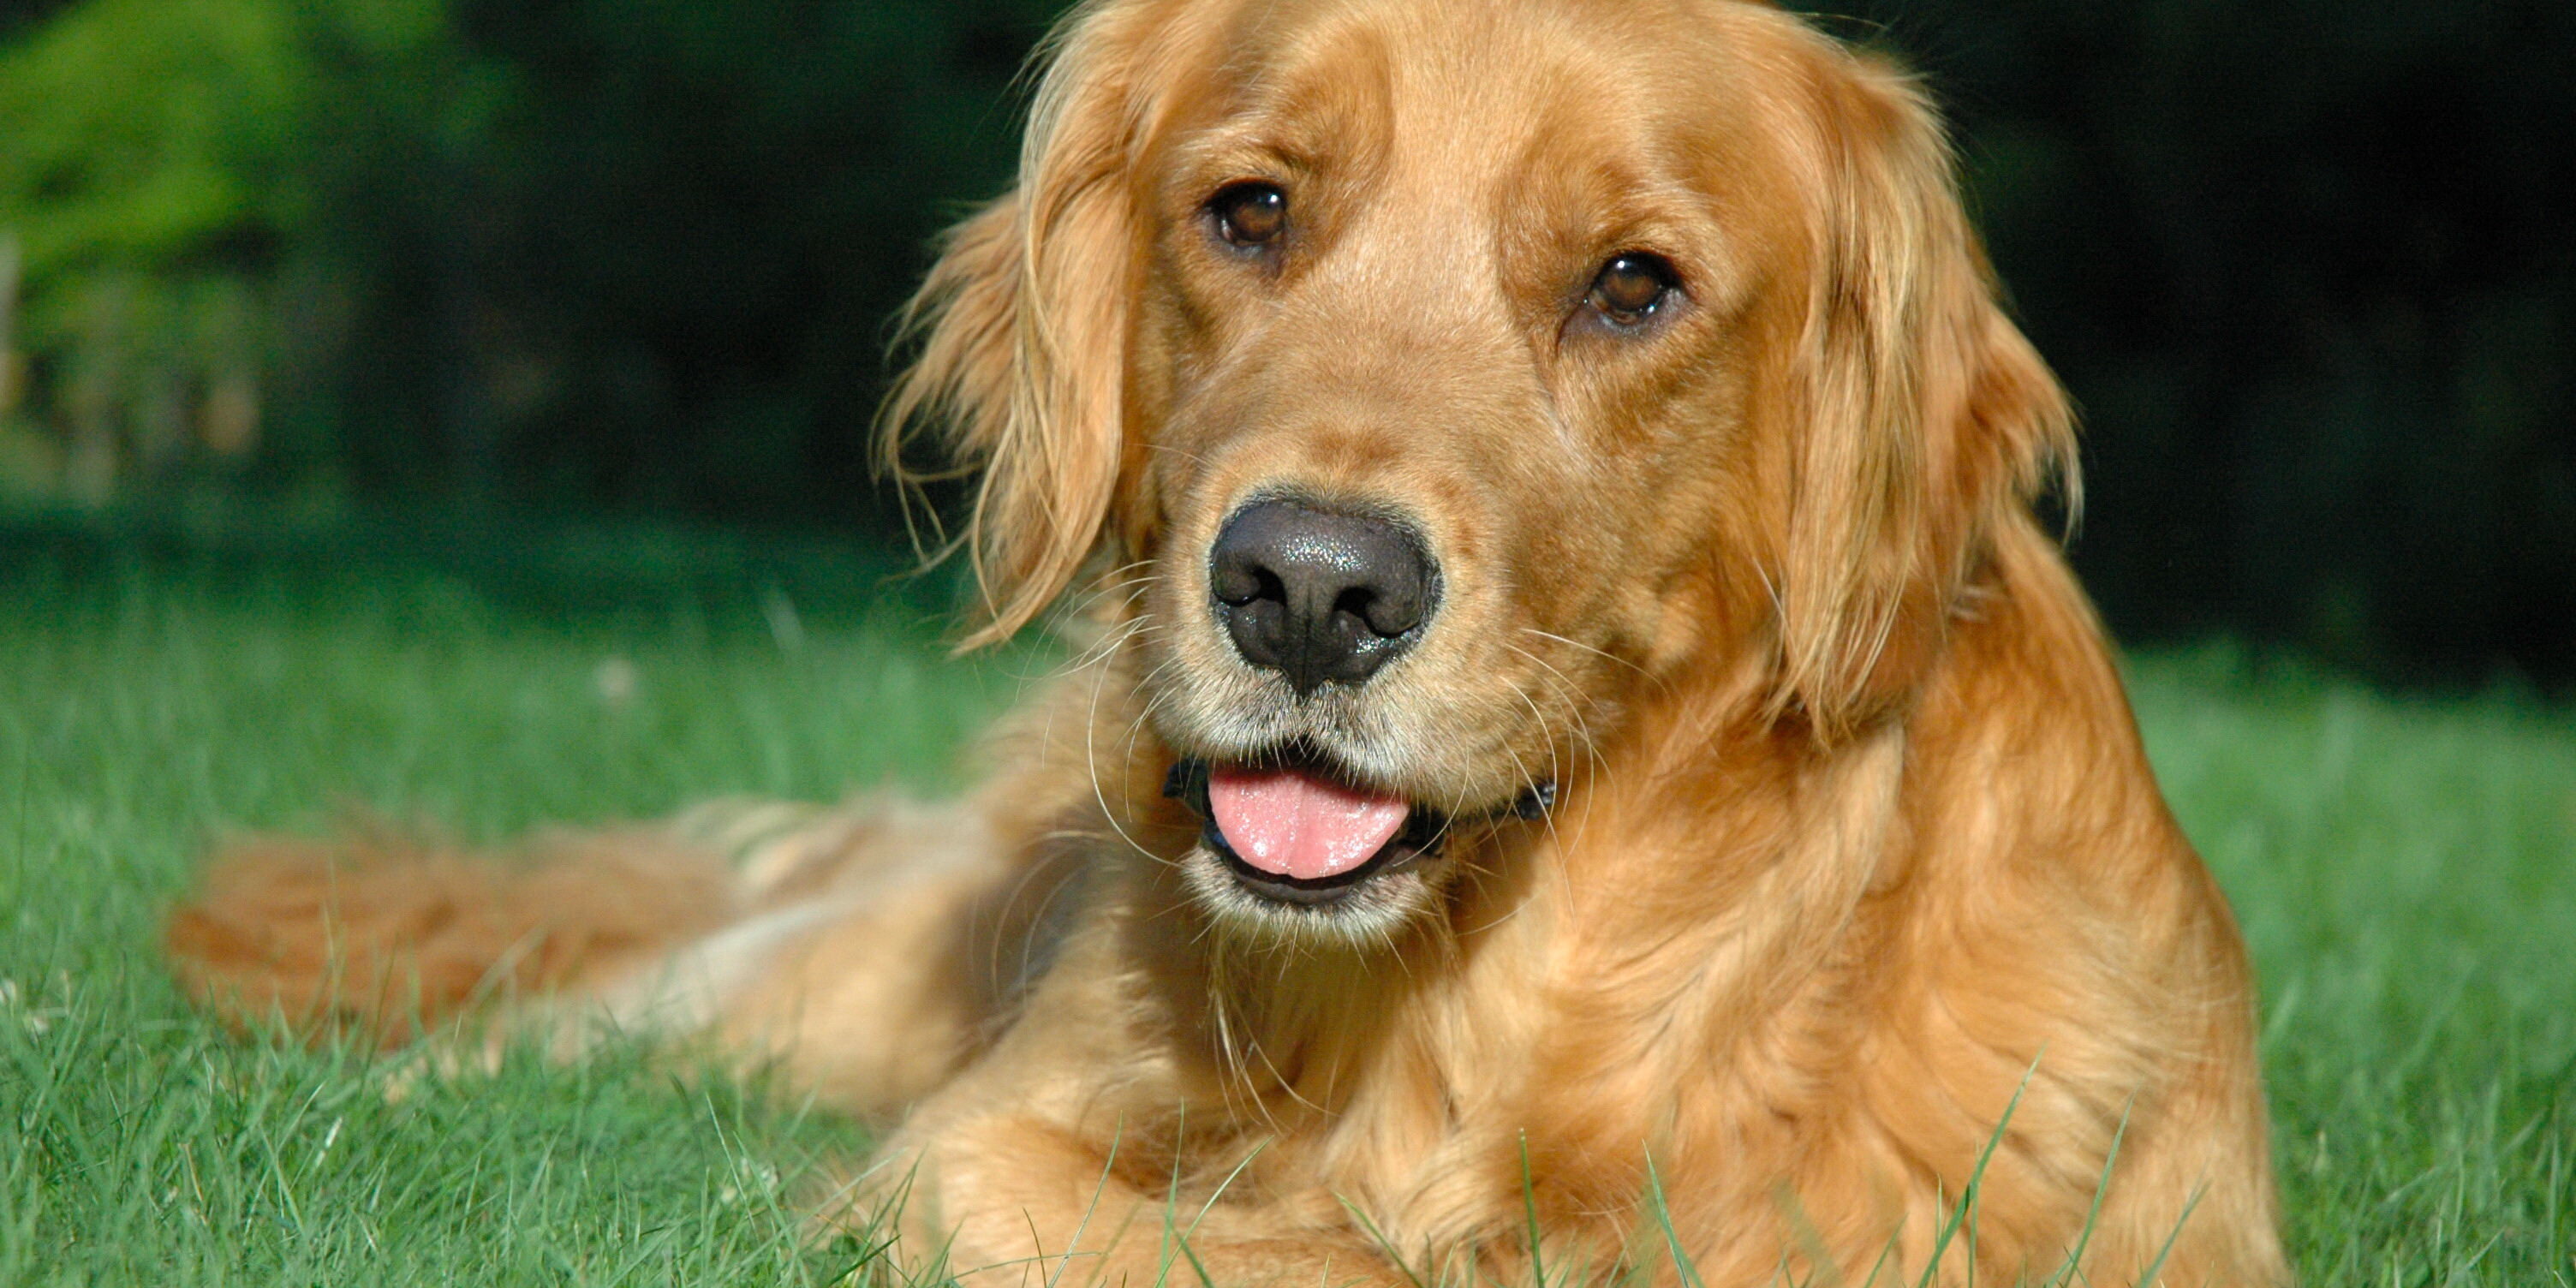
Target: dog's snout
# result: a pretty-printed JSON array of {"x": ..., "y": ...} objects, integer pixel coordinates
[{"x": 1319, "y": 596}]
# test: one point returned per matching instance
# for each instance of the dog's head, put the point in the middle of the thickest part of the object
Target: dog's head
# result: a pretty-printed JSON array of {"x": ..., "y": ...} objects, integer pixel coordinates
[{"x": 1450, "y": 379}]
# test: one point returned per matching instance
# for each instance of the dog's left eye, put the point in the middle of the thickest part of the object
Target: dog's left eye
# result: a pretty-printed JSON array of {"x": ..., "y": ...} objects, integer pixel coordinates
[
  {"x": 1632, "y": 286},
  {"x": 1249, "y": 214}
]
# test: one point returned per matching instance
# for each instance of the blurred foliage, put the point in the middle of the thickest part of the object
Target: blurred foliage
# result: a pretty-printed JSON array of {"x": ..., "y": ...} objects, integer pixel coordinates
[
  {"x": 2306, "y": 266},
  {"x": 637, "y": 253}
]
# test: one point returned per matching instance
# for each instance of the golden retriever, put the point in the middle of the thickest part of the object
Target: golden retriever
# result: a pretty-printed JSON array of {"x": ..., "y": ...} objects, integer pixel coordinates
[{"x": 1584, "y": 757}]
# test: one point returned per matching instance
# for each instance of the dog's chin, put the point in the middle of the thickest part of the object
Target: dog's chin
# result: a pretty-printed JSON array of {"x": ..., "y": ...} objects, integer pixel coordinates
[{"x": 1367, "y": 911}]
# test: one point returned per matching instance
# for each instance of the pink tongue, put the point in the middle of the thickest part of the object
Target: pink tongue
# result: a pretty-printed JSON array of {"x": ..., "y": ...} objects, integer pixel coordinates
[{"x": 1295, "y": 825}]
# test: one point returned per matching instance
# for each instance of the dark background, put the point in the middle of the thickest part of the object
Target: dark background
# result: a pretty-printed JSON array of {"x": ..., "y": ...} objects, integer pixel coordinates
[{"x": 2308, "y": 268}]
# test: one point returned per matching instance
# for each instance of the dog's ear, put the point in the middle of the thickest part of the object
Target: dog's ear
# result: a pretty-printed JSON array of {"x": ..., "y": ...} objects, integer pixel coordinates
[
  {"x": 1022, "y": 326},
  {"x": 1921, "y": 416}
]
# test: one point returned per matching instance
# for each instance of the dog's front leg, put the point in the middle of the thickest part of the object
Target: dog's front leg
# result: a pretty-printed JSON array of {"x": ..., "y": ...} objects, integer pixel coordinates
[{"x": 1062, "y": 1159}]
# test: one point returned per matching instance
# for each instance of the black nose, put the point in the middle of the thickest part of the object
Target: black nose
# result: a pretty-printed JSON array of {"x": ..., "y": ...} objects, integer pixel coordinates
[{"x": 1319, "y": 596}]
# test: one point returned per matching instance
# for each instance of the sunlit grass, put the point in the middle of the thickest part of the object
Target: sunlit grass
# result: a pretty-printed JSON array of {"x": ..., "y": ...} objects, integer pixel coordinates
[{"x": 2405, "y": 869}]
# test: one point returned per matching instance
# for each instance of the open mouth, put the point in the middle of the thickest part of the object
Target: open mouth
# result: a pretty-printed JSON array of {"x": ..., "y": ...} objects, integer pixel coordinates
[{"x": 1294, "y": 828}]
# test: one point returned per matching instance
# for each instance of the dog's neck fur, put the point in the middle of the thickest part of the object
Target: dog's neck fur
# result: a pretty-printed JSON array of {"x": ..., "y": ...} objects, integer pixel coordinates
[{"x": 1287, "y": 1030}]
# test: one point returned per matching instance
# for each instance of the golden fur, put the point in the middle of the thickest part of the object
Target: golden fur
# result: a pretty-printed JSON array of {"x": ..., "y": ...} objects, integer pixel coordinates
[{"x": 1858, "y": 880}]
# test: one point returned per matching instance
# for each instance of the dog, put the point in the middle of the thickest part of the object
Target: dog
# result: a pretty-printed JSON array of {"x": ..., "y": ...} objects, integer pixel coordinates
[{"x": 1583, "y": 759}]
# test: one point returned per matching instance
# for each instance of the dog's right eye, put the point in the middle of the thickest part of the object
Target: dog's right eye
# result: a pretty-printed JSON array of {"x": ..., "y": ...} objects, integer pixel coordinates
[
  {"x": 1631, "y": 287},
  {"x": 1249, "y": 215}
]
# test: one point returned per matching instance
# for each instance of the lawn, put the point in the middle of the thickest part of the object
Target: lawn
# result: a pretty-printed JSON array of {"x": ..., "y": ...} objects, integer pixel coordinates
[{"x": 2405, "y": 869}]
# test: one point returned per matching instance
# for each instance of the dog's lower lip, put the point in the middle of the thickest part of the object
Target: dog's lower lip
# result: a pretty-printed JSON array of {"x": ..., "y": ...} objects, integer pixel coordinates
[{"x": 1321, "y": 891}]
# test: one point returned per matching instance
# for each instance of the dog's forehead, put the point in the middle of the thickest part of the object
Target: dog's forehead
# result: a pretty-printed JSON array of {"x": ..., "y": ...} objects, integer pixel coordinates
[{"x": 1525, "y": 99}]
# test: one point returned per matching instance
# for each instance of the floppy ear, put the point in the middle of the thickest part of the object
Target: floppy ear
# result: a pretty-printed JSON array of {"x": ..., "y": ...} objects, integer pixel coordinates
[
  {"x": 1023, "y": 326},
  {"x": 1924, "y": 417}
]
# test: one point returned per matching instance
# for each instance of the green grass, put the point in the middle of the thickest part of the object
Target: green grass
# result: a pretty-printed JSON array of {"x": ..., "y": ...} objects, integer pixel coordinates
[{"x": 2405, "y": 869}]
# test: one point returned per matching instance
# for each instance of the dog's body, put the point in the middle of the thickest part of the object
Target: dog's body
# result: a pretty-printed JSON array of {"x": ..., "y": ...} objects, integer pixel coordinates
[{"x": 1692, "y": 805}]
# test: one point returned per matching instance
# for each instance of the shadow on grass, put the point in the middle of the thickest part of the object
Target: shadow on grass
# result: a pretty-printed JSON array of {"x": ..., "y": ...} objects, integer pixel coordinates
[{"x": 568, "y": 569}]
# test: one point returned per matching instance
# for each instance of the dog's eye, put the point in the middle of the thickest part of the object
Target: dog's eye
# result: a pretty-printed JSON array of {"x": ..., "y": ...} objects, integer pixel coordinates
[
  {"x": 1249, "y": 214},
  {"x": 1632, "y": 286}
]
